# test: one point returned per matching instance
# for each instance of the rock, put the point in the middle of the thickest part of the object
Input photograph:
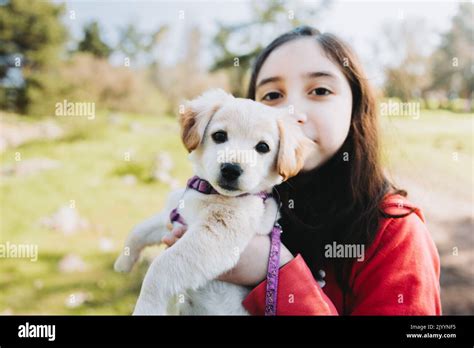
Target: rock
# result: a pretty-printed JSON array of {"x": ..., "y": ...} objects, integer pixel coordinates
[
  {"x": 129, "y": 179},
  {"x": 72, "y": 263},
  {"x": 66, "y": 220},
  {"x": 77, "y": 299},
  {"x": 29, "y": 167},
  {"x": 164, "y": 161},
  {"x": 38, "y": 284},
  {"x": 106, "y": 244},
  {"x": 162, "y": 167},
  {"x": 50, "y": 130},
  {"x": 114, "y": 118},
  {"x": 14, "y": 134},
  {"x": 7, "y": 311},
  {"x": 136, "y": 127}
]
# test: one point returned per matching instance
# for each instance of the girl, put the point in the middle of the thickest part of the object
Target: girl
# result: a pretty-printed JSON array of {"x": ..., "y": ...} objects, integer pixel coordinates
[{"x": 337, "y": 205}]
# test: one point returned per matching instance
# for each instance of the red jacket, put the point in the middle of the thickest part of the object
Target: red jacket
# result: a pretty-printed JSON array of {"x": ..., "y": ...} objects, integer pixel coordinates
[{"x": 398, "y": 276}]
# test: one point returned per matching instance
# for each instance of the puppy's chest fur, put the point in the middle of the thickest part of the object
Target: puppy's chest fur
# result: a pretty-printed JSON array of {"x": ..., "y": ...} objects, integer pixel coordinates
[{"x": 230, "y": 222}]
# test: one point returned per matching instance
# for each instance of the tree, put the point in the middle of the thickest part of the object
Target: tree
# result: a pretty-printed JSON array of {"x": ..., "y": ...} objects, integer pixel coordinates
[
  {"x": 135, "y": 45},
  {"x": 93, "y": 43},
  {"x": 186, "y": 78},
  {"x": 131, "y": 42},
  {"x": 453, "y": 60},
  {"x": 237, "y": 45},
  {"x": 407, "y": 74},
  {"x": 31, "y": 38}
]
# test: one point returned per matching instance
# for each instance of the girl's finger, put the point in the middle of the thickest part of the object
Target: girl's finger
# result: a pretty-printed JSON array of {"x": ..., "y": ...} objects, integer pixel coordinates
[
  {"x": 169, "y": 239},
  {"x": 179, "y": 231}
]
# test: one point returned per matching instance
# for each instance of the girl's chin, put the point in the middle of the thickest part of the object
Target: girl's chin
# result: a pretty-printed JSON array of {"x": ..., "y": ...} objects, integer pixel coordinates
[{"x": 313, "y": 162}]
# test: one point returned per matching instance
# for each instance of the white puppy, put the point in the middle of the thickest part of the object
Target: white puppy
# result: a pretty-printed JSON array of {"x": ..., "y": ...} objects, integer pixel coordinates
[{"x": 241, "y": 148}]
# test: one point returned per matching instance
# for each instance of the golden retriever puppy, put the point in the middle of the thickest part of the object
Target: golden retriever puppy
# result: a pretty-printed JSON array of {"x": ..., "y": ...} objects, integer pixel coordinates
[{"x": 239, "y": 149}]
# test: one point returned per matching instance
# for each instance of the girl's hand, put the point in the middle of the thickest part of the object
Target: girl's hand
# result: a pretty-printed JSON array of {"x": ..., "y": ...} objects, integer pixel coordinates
[
  {"x": 175, "y": 233},
  {"x": 251, "y": 268}
]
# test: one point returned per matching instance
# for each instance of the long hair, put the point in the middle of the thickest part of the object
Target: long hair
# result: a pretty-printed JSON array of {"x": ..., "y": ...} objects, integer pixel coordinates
[{"x": 340, "y": 200}]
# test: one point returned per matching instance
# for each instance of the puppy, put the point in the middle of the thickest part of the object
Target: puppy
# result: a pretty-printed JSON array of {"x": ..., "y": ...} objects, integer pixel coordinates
[{"x": 241, "y": 148}]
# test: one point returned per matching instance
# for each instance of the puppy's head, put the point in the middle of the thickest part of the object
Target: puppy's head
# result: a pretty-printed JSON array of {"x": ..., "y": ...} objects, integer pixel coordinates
[{"x": 241, "y": 146}]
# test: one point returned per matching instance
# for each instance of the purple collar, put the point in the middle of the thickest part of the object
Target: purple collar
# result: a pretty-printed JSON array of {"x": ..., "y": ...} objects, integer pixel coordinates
[{"x": 203, "y": 186}]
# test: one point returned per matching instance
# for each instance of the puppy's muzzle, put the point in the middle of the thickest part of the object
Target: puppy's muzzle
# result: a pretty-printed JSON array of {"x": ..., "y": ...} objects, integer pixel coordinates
[{"x": 230, "y": 172}]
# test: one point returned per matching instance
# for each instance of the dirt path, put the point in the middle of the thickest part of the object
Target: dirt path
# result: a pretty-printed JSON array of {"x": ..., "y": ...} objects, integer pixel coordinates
[{"x": 450, "y": 219}]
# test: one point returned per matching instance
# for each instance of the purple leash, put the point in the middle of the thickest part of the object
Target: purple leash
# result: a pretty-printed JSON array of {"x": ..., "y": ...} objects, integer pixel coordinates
[{"x": 271, "y": 293}]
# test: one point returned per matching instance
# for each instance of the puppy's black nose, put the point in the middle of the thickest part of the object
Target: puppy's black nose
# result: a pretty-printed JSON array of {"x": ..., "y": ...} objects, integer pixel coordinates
[{"x": 230, "y": 171}]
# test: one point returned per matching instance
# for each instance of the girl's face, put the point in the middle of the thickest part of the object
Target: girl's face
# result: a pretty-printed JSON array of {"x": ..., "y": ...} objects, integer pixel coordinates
[{"x": 298, "y": 75}]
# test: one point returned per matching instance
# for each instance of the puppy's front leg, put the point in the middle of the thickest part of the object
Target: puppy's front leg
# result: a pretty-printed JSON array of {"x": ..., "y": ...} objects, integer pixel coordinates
[
  {"x": 146, "y": 233},
  {"x": 208, "y": 249}
]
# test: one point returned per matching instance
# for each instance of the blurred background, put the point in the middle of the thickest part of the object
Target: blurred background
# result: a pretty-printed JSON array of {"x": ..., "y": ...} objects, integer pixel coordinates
[{"x": 89, "y": 145}]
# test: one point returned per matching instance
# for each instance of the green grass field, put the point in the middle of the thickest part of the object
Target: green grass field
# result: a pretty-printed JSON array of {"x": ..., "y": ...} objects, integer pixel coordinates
[
  {"x": 92, "y": 161},
  {"x": 436, "y": 148}
]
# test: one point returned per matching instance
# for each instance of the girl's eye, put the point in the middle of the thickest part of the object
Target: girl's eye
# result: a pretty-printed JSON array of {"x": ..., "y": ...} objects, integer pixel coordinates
[
  {"x": 262, "y": 147},
  {"x": 271, "y": 96},
  {"x": 320, "y": 91},
  {"x": 219, "y": 137}
]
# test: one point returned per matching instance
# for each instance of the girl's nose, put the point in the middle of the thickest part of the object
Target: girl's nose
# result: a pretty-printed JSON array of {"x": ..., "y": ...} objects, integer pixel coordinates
[{"x": 301, "y": 117}]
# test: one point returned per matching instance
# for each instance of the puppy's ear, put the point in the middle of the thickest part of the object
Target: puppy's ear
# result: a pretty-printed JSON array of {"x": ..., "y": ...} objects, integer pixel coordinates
[
  {"x": 294, "y": 148},
  {"x": 197, "y": 115}
]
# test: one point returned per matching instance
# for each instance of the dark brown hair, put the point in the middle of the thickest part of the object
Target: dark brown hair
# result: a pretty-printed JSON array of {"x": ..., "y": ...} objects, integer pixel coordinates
[{"x": 339, "y": 201}]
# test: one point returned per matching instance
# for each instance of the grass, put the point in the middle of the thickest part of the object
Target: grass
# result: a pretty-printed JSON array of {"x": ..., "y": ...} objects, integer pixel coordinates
[
  {"x": 92, "y": 159},
  {"x": 437, "y": 147},
  {"x": 92, "y": 163}
]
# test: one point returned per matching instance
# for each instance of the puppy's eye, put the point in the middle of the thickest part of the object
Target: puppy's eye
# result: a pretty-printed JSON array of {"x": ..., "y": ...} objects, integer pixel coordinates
[
  {"x": 219, "y": 137},
  {"x": 262, "y": 147}
]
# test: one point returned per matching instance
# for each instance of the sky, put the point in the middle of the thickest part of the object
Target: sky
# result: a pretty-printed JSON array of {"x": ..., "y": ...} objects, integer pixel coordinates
[{"x": 358, "y": 22}]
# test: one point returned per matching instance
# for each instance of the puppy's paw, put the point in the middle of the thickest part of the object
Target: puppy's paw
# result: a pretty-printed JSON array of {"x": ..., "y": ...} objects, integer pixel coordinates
[{"x": 124, "y": 263}]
